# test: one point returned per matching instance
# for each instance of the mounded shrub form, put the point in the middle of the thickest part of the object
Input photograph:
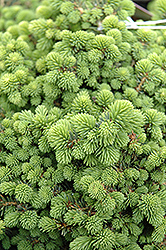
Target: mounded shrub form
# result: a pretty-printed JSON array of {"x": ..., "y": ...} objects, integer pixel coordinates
[{"x": 82, "y": 132}]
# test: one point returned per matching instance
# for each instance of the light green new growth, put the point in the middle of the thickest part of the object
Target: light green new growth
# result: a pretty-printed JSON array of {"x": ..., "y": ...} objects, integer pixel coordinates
[{"x": 82, "y": 132}]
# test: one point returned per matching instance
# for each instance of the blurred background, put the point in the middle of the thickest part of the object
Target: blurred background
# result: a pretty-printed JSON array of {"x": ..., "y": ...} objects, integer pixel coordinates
[
  {"x": 145, "y": 9},
  {"x": 142, "y": 3}
]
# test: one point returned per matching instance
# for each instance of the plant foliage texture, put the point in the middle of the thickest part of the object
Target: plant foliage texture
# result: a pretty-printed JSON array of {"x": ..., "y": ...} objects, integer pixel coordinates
[{"x": 82, "y": 131}]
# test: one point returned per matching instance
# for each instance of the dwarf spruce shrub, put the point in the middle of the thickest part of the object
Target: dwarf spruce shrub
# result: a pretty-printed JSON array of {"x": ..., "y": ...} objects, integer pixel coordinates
[{"x": 82, "y": 131}]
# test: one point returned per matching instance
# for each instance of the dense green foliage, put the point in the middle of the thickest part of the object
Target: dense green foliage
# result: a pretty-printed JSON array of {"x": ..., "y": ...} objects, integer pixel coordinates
[
  {"x": 158, "y": 9},
  {"x": 82, "y": 132}
]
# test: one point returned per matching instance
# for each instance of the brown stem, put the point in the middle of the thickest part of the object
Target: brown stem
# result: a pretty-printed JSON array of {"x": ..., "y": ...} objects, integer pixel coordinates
[
  {"x": 13, "y": 203},
  {"x": 9, "y": 203},
  {"x": 141, "y": 83},
  {"x": 34, "y": 242}
]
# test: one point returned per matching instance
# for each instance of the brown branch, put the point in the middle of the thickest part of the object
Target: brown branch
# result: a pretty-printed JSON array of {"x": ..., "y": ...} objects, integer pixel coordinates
[
  {"x": 1, "y": 114},
  {"x": 141, "y": 83},
  {"x": 9, "y": 203},
  {"x": 12, "y": 203},
  {"x": 34, "y": 242},
  {"x": 2, "y": 196}
]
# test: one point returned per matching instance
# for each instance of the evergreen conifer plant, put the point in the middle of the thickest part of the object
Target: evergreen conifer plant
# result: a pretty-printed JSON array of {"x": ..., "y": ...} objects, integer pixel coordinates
[{"x": 82, "y": 131}]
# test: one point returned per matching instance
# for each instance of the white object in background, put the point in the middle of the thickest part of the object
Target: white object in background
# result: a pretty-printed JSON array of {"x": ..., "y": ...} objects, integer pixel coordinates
[{"x": 130, "y": 24}]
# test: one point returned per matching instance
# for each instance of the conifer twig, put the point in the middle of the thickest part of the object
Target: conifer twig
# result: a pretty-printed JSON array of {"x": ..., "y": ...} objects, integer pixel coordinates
[{"x": 141, "y": 83}]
